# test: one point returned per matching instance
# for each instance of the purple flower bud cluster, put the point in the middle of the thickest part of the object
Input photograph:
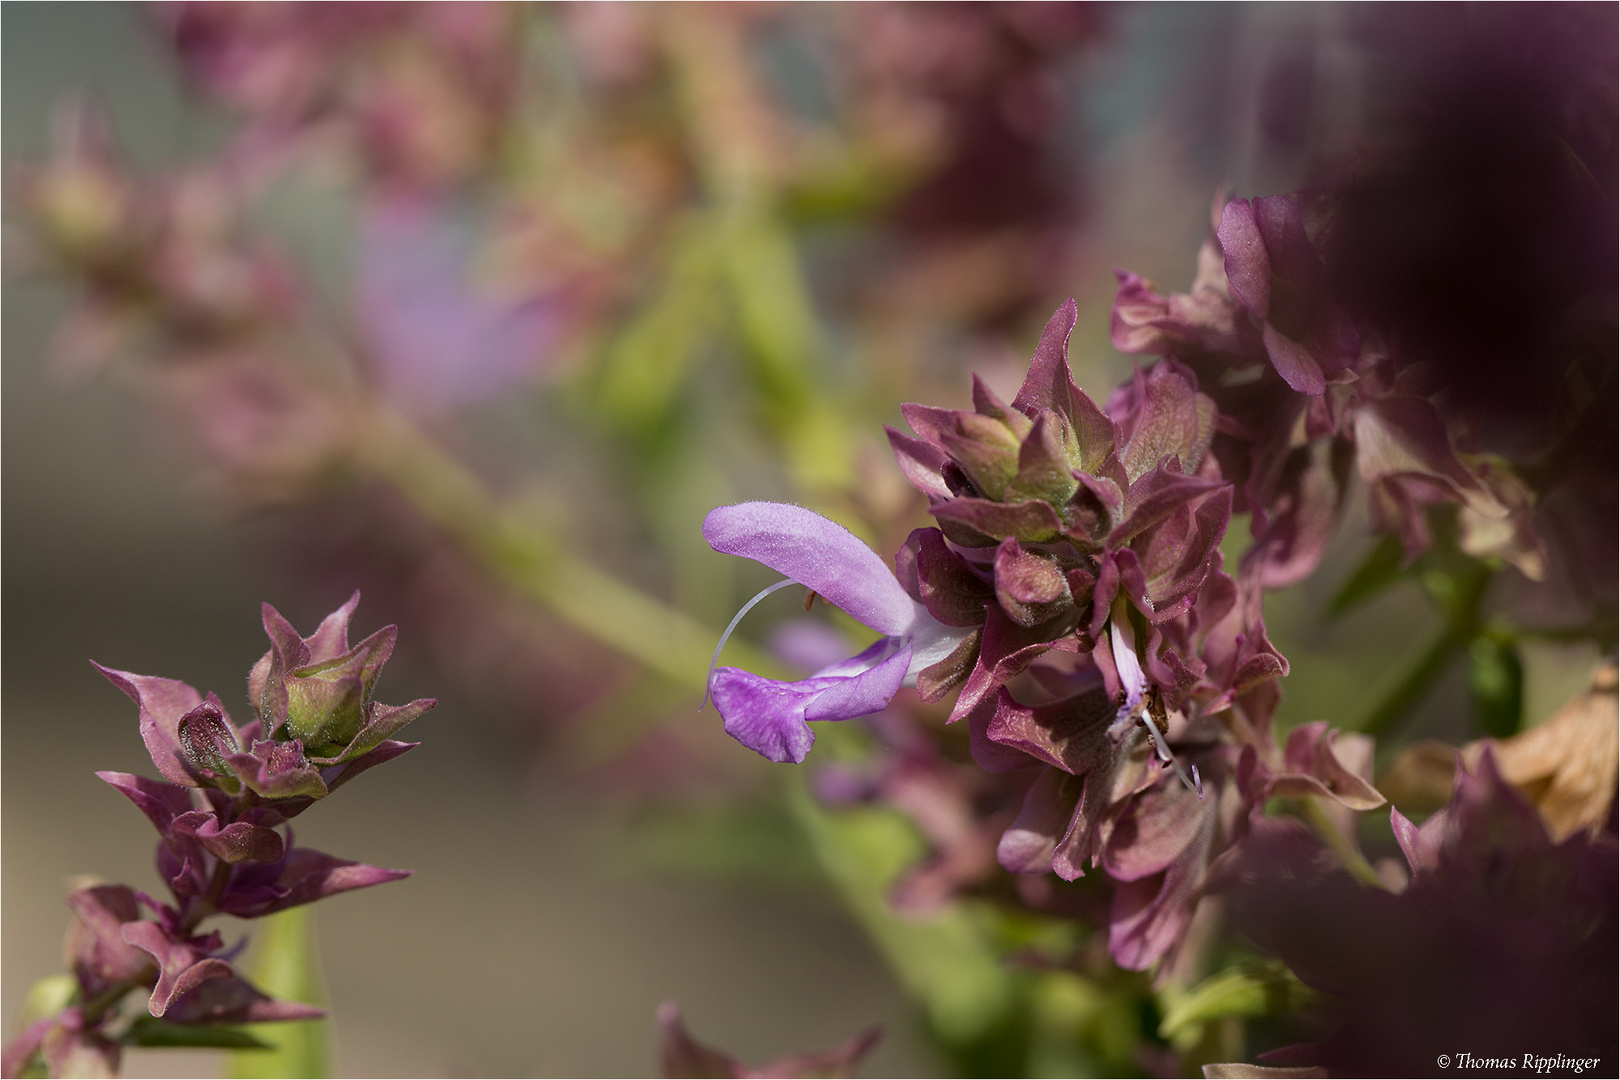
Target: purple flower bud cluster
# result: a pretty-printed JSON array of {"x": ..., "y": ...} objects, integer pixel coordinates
[
  {"x": 224, "y": 845},
  {"x": 1073, "y": 597}
]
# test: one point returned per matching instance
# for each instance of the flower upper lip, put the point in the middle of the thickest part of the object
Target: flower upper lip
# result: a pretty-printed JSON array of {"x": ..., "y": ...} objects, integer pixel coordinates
[
  {"x": 824, "y": 556},
  {"x": 817, "y": 553}
]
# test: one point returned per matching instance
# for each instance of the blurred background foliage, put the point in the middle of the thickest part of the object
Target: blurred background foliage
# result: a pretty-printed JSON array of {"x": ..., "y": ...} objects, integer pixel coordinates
[{"x": 481, "y": 309}]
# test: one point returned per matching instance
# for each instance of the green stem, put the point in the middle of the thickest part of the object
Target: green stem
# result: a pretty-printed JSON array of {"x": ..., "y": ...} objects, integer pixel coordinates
[
  {"x": 1342, "y": 844},
  {"x": 94, "y": 1009},
  {"x": 1460, "y": 596},
  {"x": 667, "y": 641},
  {"x": 1395, "y": 705}
]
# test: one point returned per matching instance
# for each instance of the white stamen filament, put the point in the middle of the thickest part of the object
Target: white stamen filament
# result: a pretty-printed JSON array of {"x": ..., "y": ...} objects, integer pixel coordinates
[
  {"x": 735, "y": 619},
  {"x": 1196, "y": 784},
  {"x": 1122, "y": 639}
]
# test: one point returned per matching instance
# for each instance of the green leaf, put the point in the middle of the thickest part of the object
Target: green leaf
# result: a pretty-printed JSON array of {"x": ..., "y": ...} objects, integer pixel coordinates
[
  {"x": 1496, "y": 684},
  {"x": 1246, "y": 990},
  {"x": 1380, "y": 568},
  {"x": 286, "y": 964},
  {"x": 150, "y": 1031}
]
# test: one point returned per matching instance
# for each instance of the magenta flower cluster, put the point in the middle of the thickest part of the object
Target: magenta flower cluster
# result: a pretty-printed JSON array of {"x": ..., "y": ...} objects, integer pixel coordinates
[
  {"x": 1074, "y": 598},
  {"x": 224, "y": 845}
]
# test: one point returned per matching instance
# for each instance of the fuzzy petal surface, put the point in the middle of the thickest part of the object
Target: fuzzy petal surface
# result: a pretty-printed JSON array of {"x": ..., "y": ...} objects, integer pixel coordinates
[
  {"x": 770, "y": 717},
  {"x": 817, "y": 553}
]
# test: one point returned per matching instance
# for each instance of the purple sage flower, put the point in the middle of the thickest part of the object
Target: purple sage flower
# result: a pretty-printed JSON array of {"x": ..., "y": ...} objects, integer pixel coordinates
[
  {"x": 224, "y": 846},
  {"x": 769, "y": 716}
]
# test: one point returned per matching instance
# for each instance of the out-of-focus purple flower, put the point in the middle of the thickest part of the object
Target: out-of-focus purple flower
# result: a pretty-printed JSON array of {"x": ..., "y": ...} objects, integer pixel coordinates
[
  {"x": 680, "y": 1055},
  {"x": 68, "y": 1045},
  {"x": 1206, "y": 320},
  {"x": 96, "y": 949},
  {"x": 417, "y": 92},
  {"x": 1503, "y": 941},
  {"x": 1304, "y": 396},
  {"x": 1502, "y": 526},
  {"x": 1266, "y": 343},
  {"x": 260, "y": 435},
  {"x": 1318, "y": 762},
  {"x": 110, "y": 949},
  {"x": 435, "y": 340},
  {"x": 769, "y": 716},
  {"x": 1275, "y": 271},
  {"x": 1405, "y": 455},
  {"x": 1291, "y": 486}
]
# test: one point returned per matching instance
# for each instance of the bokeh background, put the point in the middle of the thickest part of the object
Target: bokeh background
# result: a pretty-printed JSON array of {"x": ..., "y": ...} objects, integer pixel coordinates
[{"x": 553, "y": 906}]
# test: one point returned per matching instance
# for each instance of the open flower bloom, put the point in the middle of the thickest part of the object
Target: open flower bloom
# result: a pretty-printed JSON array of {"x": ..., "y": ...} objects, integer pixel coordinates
[{"x": 769, "y": 716}]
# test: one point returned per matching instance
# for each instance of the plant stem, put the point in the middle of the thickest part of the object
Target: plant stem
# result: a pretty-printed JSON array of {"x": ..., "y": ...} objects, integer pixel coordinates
[
  {"x": 1343, "y": 845},
  {"x": 286, "y": 964},
  {"x": 1460, "y": 597},
  {"x": 199, "y": 908},
  {"x": 536, "y": 565},
  {"x": 94, "y": 1009},
  {"x": 1395, "y": 705}
]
